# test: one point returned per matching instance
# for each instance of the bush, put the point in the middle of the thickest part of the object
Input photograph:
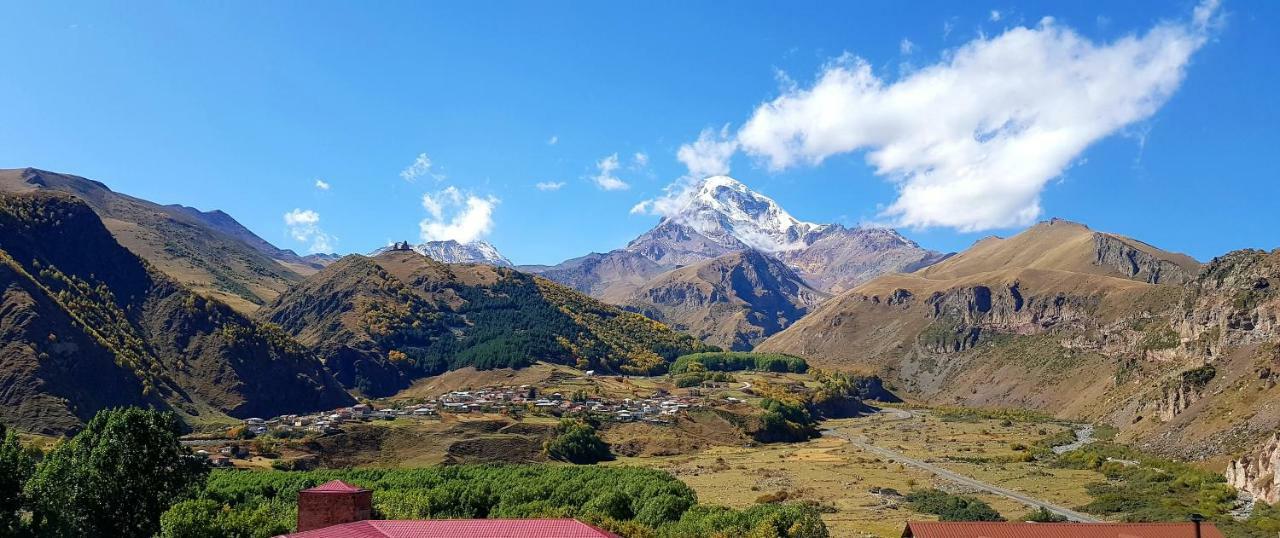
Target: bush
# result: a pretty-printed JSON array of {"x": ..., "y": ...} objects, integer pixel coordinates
[
  {"x": 1043, "y": 515},
  {"x": 793, "y": 520},
  {"x": 950, "y": 507},
  {"x": 576, "y": 442},
  {"x": 1153, "y": 489}
]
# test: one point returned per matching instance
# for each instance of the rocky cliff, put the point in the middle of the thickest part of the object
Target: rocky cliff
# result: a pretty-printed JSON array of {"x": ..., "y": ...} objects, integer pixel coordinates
[{"x": 1259, "y": 471}]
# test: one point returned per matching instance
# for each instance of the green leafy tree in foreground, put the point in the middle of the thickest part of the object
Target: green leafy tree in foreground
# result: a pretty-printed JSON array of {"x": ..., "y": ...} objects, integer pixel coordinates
[
  {"x": 115, "y": 477},
  {"x": 17, "y": 464},
  {"x": 576, "y": 442},
  {"x": 205, "y": 518}
]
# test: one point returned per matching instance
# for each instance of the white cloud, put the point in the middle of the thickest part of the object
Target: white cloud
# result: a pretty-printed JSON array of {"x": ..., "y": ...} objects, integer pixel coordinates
[
  {"x": 906, "y": 47},
  {"x": 304, "y": 225},
  {"x": 673, "y": 199},
  {"x": 605, "y": 177},
  {"x": 640, "y": 159},
  {"x": 422, "y": 166},
  {"x": 549, "y": 185},
  {"x": 322, "y": 184},
  {"x": 452, "y": 214},
  {"x": 972, "y": 141},
  {"x": 553, "y": 140},
  {"x": 995, "y": 15},
  {"x": 709, "y": 155}
]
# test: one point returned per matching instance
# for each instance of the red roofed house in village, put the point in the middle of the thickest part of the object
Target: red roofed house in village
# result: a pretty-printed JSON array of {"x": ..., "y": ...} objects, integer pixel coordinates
[
  {"x": 939, "y": 529},
  {"x": 339, "y": 510}
]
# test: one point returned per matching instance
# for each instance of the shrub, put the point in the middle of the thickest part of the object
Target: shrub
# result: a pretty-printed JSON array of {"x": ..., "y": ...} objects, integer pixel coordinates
[
  {"x": 576, "y": 442},
  {"x": 950, "y": 507}
]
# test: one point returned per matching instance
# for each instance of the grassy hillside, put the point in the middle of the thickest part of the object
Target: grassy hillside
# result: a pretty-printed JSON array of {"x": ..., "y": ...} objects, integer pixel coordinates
[
  {"x": 1079, "y": 323},
  {"x": 88, "y": 325},
  {"x": 380, "y": 322},
  {"x": 209, "y": 252}
]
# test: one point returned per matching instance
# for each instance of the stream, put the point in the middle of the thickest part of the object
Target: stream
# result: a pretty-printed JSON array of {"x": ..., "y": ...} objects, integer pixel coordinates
[{"x": 1084, "y": 436}]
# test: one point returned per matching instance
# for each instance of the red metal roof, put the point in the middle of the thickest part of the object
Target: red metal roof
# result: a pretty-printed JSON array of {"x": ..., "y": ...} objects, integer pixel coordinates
[
  {"x": 460, "y": 528},
  {"x": 939, "y": 529},
  {"x": 335, "y": 486}
]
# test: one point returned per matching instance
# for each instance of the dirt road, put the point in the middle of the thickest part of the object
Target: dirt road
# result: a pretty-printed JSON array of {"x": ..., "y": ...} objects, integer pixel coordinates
[{"x": 862, "y": 443}]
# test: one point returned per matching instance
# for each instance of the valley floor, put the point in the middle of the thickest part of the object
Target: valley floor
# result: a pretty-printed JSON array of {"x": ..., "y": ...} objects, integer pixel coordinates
[{"x": 861, "y": 489}]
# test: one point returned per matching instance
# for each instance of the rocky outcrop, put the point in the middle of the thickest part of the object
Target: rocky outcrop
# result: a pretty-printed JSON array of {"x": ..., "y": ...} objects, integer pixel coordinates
[
  {"x": 1186, "y": 389},
  {"x": 1232, "y": 303},
  {"x": 1258, "y": 472},
  {"x": 1136, "y": 263}
]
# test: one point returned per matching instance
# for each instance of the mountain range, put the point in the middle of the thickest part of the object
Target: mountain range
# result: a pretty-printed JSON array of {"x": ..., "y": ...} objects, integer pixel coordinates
[
  {"x": 85, "y": 324},
  {"x": 1081, "y": 324},
  {"x": 208, "y": 251},
  {"x": 112, "y": 300},
  {"x": 717, "y": 220}
]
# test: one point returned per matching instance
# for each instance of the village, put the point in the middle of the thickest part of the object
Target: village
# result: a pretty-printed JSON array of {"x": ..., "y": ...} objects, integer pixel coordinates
[{"x": 512, "y": 401}]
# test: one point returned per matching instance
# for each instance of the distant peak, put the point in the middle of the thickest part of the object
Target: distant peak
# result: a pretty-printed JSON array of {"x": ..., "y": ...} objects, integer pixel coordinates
[
  {"x": 452, "y": 251},
  {"x": 727, "y": 211},
  {"x": 1056, "y": 221},
  {"x": 715, "y": 182}
]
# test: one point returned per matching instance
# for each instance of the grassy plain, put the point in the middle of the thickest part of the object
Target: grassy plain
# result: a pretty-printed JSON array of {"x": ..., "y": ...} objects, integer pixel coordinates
[{"x": 850, "y": 483}]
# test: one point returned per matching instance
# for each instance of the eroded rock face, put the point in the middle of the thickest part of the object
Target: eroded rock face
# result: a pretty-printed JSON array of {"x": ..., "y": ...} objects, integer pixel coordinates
[
  {"x": 1137, "y": 264},
  {"x": 1234, "y": 302},
  {"x": 1258, "y": 471},
  {"x": 1187, "y": 389}
]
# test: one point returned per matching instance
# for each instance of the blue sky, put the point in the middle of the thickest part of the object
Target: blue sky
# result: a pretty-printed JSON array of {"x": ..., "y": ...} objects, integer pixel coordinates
[{"x": 243, "y": 106}]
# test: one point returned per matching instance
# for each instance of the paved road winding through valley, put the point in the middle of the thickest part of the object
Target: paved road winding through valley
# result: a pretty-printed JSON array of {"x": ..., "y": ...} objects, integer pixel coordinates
[{"x": 862, "y": 443}]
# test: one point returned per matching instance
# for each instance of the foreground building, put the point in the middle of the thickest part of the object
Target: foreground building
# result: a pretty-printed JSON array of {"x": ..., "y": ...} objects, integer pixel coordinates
[
  {"x": 1002, "y": 529},
  {"x": 340, "y": 510}
]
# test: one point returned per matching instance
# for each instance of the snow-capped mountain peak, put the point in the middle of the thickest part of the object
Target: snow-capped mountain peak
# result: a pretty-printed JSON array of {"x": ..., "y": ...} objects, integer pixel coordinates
[
  {"x": 451, "y": 251},
  {"x": 725, "y": 210}
]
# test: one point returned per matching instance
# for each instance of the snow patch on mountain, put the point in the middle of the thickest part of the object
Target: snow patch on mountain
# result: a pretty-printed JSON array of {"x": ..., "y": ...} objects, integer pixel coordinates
[
  {"x": 728, "y": 212},
  {"x": 451, "y": 251}
]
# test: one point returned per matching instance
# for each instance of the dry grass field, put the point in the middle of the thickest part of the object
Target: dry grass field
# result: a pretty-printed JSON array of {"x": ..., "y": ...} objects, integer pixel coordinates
[{"x": 851, "y": 482}]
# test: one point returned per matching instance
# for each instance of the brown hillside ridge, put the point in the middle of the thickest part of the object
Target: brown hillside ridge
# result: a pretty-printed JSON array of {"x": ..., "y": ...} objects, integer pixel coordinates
[
  {"x": 733, "y": 301},
  {"x": 86, "y": 325},
  {"x": 208, "y": 251},
  {"x": 1083, "y": 324},
  {"x": 380, "y": 322}
]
